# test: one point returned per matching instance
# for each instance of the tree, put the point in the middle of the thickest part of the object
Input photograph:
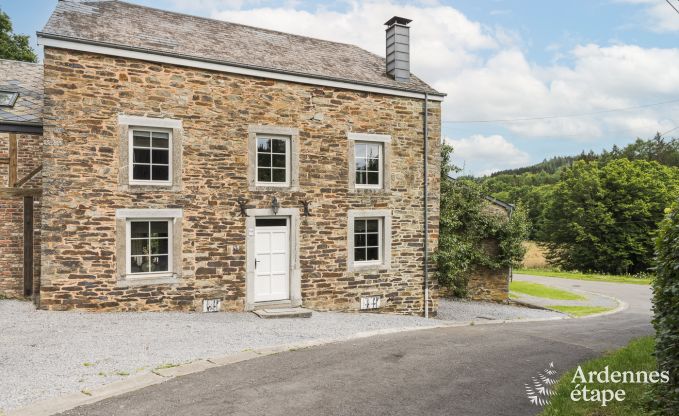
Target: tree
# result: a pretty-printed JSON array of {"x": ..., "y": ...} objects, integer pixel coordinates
[
  {"x": 604, "y": 218},
  {"x": 466, "y": 228},
  {"x": 12, "y": 46}
]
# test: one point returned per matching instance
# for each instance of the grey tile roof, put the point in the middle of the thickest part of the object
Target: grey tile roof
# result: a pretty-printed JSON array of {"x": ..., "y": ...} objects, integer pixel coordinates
[
  {"x": 126, "y": 25},
  {"x": 24, "y": 78}
]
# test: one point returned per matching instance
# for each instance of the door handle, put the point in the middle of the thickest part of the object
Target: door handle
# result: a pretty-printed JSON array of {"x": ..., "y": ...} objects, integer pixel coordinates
[{"x": 256, "y": 261}]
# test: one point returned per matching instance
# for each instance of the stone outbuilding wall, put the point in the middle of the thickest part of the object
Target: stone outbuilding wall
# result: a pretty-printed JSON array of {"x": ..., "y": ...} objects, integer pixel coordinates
[
  {"x": 29, "y": 156},
  {"x": 86, "y": 95}
]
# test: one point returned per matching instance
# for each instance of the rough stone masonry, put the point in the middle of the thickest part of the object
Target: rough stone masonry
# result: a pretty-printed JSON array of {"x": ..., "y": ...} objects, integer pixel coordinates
[{"x": 85, "y": 95}]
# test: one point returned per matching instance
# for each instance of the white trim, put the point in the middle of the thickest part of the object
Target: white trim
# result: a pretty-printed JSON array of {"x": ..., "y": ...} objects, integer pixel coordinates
[
  {"x": 288, "y": 160},
  {"x": 369, "y": 137},
  {"x": 192, "y": 63},
  {"x": 385, "y": 244},
  {"x": 151, "y": 122},
  {"x": 128, "y": 250},
  {"x": 149, "y": 213},
  {"x": 130, "y": 159},
  {"x": 380, "y": 168}
]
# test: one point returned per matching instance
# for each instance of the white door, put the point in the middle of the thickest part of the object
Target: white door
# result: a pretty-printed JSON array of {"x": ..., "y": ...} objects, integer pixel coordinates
[{"x": 272, "y": 259}]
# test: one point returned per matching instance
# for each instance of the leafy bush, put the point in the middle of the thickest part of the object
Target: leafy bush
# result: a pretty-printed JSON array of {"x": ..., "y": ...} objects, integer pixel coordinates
[
  {"x": 472, "y": 236},
  {"x": 666, "y": 308}
]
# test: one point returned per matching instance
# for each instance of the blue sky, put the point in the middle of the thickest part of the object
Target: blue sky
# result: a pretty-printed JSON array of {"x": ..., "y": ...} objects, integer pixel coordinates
[{"x": 497, "y": 60}]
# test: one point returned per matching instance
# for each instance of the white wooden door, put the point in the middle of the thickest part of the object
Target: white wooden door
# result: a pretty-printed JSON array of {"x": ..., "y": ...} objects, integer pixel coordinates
[{"x": 272, "y": 260}]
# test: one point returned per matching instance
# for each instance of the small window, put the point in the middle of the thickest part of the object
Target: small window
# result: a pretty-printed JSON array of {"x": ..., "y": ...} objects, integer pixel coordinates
[
  {"x": 367, "y": 240},
  {"x": 149, "y": 243},
  {"x": 368, "y": 162},
  {"x": 273, "y": 161},
  {"x": 151, "y": 161}
]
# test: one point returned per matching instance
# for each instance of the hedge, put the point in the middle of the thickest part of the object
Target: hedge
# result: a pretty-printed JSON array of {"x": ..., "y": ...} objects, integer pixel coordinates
[{"x": 666, "y": 309}]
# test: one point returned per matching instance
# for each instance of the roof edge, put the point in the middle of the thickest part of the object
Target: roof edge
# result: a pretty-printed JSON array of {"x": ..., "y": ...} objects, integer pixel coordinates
[{"x": 105, "y": 48}]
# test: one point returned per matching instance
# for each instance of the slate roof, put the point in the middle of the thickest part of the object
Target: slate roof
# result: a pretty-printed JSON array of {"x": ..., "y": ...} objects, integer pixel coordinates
[
  {"x": 130, "y": 26},
  {"x": 24, "y": 78}
]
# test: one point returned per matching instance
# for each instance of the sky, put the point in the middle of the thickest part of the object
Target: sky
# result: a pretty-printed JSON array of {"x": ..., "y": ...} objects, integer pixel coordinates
[{"x": 526, "y": 79}]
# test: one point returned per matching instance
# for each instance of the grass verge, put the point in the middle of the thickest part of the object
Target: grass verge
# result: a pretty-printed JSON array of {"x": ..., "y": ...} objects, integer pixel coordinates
[
  {"x": 636, "y": 356},
  {"x": 542, "y": 291},
  {"x": 579, "y": 310},
  {"x": 586, "y": 276}
]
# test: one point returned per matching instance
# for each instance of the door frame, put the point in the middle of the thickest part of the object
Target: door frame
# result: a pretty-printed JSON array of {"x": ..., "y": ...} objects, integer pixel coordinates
[{"x": 292, "y": 215}]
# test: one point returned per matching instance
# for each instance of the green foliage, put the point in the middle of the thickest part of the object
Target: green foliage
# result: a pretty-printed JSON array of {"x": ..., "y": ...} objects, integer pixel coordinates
[
  {"x": 666, "y": 308},
  {"x": 603, "y": 218},
  {"x": 472, "y": 236},
  {"x": 12, "y": 46}
]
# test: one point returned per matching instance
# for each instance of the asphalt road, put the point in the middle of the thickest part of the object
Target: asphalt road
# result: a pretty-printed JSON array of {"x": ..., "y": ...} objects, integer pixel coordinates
[{"x": 475, "y": 370}]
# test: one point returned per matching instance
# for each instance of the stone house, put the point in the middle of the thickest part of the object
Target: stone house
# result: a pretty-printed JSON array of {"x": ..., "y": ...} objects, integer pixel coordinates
[{"x": 193, "y": 164}]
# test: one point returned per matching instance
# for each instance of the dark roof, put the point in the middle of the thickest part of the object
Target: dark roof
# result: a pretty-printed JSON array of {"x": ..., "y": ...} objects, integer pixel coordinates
[
  {"x": 24, "y": 78},
  {"x": 130, "y": 26}
]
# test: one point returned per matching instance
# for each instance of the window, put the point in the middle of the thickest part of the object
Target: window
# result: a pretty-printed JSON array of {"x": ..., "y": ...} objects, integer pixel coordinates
[
  {"x": 273, "y": 161},
  {"x": 149, "y": 247},
  {"x": 368, "y": 162},
  {"x": 367, "y": 240},
  {"x": 151, "y": 161}
]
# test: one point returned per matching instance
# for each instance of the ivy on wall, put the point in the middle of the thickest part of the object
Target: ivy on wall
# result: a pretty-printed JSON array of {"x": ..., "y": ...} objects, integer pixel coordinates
[{"x": 474, "y": 236}]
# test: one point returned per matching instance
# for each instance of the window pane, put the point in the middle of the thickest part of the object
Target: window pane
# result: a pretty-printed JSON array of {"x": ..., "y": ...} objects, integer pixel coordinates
[
  {"x": 373, "y": 178},
  {"x": 138, "y": 247},
  {"x": 359, "y": 226},
  {"x": 159, "y": 263},
  {"x": 139, "y": 229},
  {"x": 141, "y": 156},
  {"x": 141, "y": 172},
  {"x": 264, "y": 160},
  {"x": 359, "y": 254},
  {"x": 278, "y": 175},
  {"x": 139, "y": 264},
  {"x": 359, "y": 150},
  {"x": 361, "y": 178},
  {"x": 373, "y": 165},
  {"x": 373, "y": 151},
  {"x": 278, "y": 145},
  {"x": 359, "y": 240},
  {"x": 372, "y": 253},
  {"x": 159, "y": 229},
  {"x": 159, "y": 173},
  {"x": 278, "y": 161},
  {"x": 159, "y": 246},
  {"x": 372, "y": 225},
  {"x": 141, "y": 138},
  {"x": 264, "y": 175},
  {"x": 161, "y": 157},
  {"x": 161, "y": 140},
  {"x": 361, "y": 165},
  {"x": 263, "y": 145},
  {"x": 372, "y": 240}
]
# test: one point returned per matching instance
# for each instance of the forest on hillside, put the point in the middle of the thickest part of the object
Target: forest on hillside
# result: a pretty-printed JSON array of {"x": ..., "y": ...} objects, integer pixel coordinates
[{"x": 596, "y": 212}]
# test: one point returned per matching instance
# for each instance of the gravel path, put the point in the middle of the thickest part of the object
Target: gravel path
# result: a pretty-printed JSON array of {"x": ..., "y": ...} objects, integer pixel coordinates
[
  {"x": 47, "y": 354},
  {"x": 464, "y": 310}
]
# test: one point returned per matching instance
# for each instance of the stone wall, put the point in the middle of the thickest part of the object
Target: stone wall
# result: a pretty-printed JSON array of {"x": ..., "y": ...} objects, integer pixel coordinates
[
  {"x": 29, "y": 151},
  {"x": 86, "y": 93}
]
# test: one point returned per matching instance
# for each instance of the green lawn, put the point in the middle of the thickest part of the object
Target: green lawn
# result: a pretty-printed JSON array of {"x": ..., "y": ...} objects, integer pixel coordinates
[
  {"x": 636, "y": 356},
  {"x": 579, "y": 310},
  {"x": 586, "y": 276},
  {"x": 542, "y": 291}
]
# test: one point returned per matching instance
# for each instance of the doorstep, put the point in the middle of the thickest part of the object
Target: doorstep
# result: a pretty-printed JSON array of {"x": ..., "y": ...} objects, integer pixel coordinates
[{"x": 273, "y": 313}]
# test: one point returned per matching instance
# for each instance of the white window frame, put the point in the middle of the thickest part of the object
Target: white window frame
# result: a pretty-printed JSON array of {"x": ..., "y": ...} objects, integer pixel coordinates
[
  {"x": 128, "y": 249},
  {"x": 385, "y": 240},
  {"x": 170, "y": 168},
  {"x": 288, "y": 160},
  {"x": 380, "y": 173},
  {"x": 380, "y": 242}
]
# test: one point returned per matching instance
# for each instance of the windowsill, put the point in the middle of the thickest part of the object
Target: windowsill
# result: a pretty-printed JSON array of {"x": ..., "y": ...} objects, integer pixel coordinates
[
  {"x": 366, "y": 190},
  {"x": 369, "y": 267},
  {"x": 273, "y": 188},
  {"x": 135, "y": 281},
  {"x": 149, "y": 183},
  {"x": 150, "y": 187}
]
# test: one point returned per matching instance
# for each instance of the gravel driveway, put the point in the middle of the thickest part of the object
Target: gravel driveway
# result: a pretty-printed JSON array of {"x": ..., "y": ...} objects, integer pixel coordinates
[{"x": 46, "y": 354}]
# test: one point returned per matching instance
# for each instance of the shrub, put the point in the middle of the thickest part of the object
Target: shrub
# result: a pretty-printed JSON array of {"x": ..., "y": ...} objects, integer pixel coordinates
[{"x": 666, "y": 308}]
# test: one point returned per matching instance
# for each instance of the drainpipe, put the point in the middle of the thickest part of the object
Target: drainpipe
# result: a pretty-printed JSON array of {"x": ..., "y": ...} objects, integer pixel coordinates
[{"x": 426, "y": 206}]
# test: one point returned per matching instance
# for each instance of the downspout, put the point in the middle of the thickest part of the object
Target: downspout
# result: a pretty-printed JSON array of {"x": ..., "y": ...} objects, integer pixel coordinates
[{"x": 426, "y": 206}]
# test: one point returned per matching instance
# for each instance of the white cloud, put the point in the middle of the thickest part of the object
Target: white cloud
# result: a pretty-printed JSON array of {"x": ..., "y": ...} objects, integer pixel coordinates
[
  {"x": 483, "y": 155},
  {"x": 660, "y": 16}
]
